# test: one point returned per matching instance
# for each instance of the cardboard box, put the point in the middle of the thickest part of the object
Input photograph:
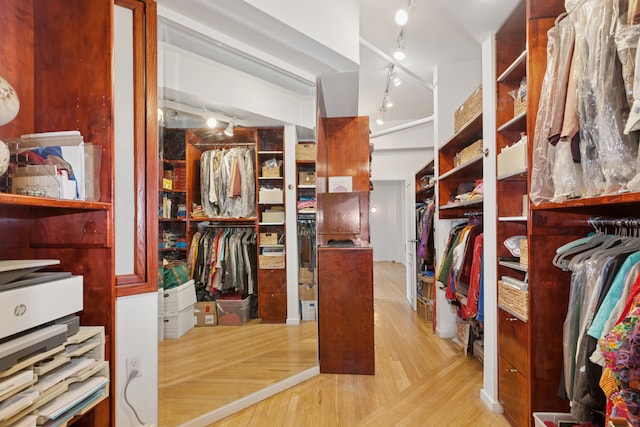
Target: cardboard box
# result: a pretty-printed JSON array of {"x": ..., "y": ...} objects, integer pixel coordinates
[
  {"x": 176, "y": 324},
  {"x": 233, "y": 312},
  {"x": 306, "y": 178},
  {"x": 273, "y": 217},
  {"x": 205, "y": 313},
  {"x": 178, "y": 298},
  {"x": 309, "y": 309},
  {"x": 275, "y": 195}
]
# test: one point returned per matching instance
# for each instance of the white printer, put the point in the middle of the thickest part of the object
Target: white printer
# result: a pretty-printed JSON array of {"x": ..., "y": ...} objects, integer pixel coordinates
[{"x": 35, "y": 307}]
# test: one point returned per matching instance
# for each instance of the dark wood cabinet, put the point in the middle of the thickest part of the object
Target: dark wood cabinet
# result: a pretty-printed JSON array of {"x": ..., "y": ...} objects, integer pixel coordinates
[
  {"x": 345, "y": 258},
  {"x": 345, "y": 304}
]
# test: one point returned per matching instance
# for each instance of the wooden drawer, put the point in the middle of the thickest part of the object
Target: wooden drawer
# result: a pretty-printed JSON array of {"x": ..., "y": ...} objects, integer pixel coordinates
[
  {"x": 513, "y": 392},
  {"x": 272, "y": 280},
  {"x": 512, "y": 341},
  {"x": 272, "y": 307}
]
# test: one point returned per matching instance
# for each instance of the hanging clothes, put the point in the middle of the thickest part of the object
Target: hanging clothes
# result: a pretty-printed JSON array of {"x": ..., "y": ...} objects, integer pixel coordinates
[
  {"x": 604, "y": 270},
  {"x": 425, "y": 213},
  {"x": 224, "y": 260},
  {"x": 227, "y": 182}
]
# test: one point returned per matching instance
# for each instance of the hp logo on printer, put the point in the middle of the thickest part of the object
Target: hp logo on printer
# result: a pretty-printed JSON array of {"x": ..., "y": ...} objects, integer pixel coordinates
[{"x": 20, "y": 310}]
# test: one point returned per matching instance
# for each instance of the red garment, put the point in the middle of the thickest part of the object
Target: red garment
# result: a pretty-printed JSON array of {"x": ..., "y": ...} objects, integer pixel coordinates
[{"x": 470, "y": 309}]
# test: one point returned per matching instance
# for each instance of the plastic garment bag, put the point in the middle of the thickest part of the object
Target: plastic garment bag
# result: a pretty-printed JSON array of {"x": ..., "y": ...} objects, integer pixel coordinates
[
  {"x": 543, "y": 152},
  {"x": 608, "y": 156}
]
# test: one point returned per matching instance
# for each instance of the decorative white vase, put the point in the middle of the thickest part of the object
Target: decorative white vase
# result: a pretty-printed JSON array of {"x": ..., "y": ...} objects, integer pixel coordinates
[{"x": 9, "y": 102}]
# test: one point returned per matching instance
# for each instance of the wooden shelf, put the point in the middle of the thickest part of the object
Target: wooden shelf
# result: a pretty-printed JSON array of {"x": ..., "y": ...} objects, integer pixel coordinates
[
  {"x": 513, "y": 265},
  {"x": 468, "y": 168},
  {"x": 516, "y": 70},
  {"x": 519, "y": 175},
  {"x": 18, "y": 200},
  {"x": 517, "y": 123},
  {"x": 464, "y": 137}
]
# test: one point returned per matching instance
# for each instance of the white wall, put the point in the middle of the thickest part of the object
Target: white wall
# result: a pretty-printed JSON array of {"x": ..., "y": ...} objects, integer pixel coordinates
[
  {"x": 333, "y": 23},
  {"x": 387, "y": 223},
  {"x": 453, "y": 83},
  {"x": 137, "y": 335},
  {"x": 187, "y": 73}
]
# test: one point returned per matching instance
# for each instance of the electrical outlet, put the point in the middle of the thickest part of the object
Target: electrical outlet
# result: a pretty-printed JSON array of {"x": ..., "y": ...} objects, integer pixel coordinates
[{"x": 134, "y": 364}]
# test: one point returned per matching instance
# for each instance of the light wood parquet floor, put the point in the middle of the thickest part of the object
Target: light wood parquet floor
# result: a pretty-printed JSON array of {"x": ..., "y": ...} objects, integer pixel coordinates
[{"x": 420, "y": 380}]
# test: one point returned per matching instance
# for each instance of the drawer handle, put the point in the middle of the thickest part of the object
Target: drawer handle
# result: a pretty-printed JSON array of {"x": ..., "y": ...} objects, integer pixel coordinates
[
  {"x": 512, "y": 371},
  {"x": 512, "y": 319}
]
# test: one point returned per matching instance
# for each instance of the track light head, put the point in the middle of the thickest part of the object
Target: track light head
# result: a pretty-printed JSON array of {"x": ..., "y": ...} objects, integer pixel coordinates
[
  {"x": 402, "y": 16},
  {"x": 229, "y": 130}
]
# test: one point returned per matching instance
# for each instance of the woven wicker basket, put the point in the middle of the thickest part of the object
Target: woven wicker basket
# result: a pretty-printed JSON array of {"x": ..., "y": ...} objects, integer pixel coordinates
[
  {"x": 305, "y": 151},
  {"x": 271, "y": 261},
  {"x": 308, "y": 292},
  {"x": 524, "y": 252},
  {"x": 468, "y": 153},
  {"x": 519, "y": 107},
  {"x": 468, "y": 110},
  {"x": 268, "y": 238},
  {"x": 513, "y": 299}
]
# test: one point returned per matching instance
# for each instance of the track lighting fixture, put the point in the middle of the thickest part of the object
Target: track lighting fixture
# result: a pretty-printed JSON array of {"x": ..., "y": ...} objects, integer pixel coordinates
[
  {"x": 398, "y": 53},
  {"x": 380, "y": 119},
  {"x": 229, "y": 130},
  {"x": 402, "y": 14},
  {"x": 395, "y": 79},
  {"x": 388, "y": 103}
]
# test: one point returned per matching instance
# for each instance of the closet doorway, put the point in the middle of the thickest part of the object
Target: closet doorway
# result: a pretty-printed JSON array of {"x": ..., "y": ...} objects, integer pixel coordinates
[{"x": 208, "y": 370}]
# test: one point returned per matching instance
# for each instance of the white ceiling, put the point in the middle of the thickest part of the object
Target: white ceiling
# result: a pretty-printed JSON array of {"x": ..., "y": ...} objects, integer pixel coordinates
[{"x": 438, "y": 31}]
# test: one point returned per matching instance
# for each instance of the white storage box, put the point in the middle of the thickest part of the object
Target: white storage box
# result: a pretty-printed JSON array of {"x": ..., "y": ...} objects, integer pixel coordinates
[
  {"x": 177, "y": 299},
  {"x": 513, "y": 159},
  {"x": 309, "y": 309},
  {"x": 270, "y": 196},
  {"x": 555, "y": 417},
  {"x": 178, "y": 324},
  {"x": 274, "y": 217}
]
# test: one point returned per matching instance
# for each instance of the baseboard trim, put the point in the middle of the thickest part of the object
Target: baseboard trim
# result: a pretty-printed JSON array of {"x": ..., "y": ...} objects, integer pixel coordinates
[
  {"x": 493, "y": 405},
  {"x": 252, "y": 399}
]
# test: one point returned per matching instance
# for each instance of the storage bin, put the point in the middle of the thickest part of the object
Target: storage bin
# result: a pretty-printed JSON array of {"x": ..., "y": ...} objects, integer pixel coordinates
[
  {"x": 561, "y": 419},
  {"x": 512, "y": 159},
  {"x": 468, "y": 153},
  {"x": 306, "y": 151},
  {"x": 471, "y": 107},
  {"x": 268, "y": 238},
  {"x": 176, "y": 324},
  {"x": 524, "y": 252},
  {"x": 270, "y": 196},
  {"x": 519, "y": 106},
  {"x": 268, "y": 172},
  {"x": 306, "y": 178},
  {"x": 307, "y": 292},
  {"x": 513, "y": 299},
  {"x": 306, "y": 276},
  {"x": 179, "y": 298},
  {"x": 233, "y": 312},
  {"x": 271, "y": 261},
  {"x": 424, "y": 309},
  {"x": 308, "y": 309},
  {"x": 273, "y": 217}
]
